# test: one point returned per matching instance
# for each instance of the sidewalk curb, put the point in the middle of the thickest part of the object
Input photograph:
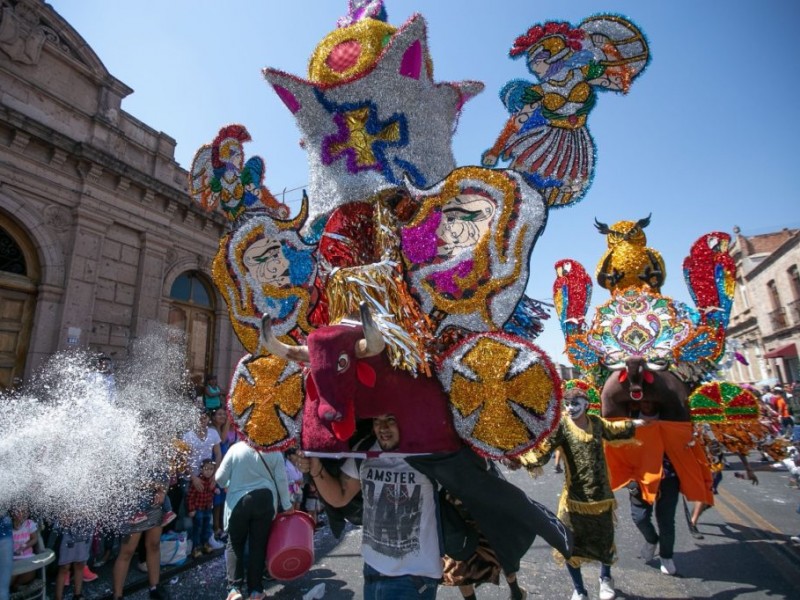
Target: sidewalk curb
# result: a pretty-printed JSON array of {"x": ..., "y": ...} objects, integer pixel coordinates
[{"x": 167, "y": 573}]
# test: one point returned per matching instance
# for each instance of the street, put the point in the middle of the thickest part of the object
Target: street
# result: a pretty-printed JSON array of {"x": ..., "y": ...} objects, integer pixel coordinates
[{"x": 745, "y": 553}]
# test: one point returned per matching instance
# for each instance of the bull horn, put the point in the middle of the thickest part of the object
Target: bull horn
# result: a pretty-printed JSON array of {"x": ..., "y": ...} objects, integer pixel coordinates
[
  {"x": 278, "y": 348},
  {"x": 601, "y": 227},
  {"x": 644, "y": 222},
  {"x": 372, "y": 343}
]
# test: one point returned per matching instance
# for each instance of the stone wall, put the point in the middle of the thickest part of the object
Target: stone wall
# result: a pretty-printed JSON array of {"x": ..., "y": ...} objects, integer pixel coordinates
[{"x": 98, "y": 193}]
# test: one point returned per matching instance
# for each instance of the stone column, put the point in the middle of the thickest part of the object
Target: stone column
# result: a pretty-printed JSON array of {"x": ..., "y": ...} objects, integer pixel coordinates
[
  {"x": 149, "y": 282},
  {"x": 81, "y": 279}
]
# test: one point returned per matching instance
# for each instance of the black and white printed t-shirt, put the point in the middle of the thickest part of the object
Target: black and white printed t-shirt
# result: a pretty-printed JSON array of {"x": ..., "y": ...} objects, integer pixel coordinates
[{"x": 400, "y": 535}]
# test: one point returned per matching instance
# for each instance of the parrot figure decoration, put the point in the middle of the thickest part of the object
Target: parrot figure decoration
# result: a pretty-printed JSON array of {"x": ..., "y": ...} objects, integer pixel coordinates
[
  {"x": 628, "y": 262},
  {"x": 572, "y": 293},
  {"x": 710, "y": 274},
  {"x": 219, "y": 176}
]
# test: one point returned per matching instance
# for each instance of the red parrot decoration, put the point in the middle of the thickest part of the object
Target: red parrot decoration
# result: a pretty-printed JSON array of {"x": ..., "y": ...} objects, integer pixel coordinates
[
  {"x": 710, "y": 274},
  {"x": 572, "y": 293}
]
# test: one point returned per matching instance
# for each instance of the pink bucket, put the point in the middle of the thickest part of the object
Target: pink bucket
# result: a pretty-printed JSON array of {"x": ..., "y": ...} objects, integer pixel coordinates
[{"x": 290, "y": 550}]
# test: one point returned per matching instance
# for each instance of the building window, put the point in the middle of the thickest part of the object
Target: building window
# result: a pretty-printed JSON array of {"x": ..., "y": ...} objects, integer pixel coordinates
[
  {"x": 794, "y": 305},
  {"x": 745, "y": 297},
  {"x": 794, "y": 277},
  {"x": 11, "y": 258},
  {"x": 190, "y": 287},
  {"x": 778, "y": 315},
  {"x": 192, "y": 311}
]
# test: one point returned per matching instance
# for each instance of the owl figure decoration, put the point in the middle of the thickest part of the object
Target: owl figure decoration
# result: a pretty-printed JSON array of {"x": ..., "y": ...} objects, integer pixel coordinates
[{"x": 628, "y": 261}]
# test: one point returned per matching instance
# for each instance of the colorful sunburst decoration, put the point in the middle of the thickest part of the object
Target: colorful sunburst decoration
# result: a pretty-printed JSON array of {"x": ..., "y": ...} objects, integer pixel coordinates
[
  {"x": 637, "y": 323},
  {"x": 505, "y": 395},
  {"x": 731, "y": 411}
]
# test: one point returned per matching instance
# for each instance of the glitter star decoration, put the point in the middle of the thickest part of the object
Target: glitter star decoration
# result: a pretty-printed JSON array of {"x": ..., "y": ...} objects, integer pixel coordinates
[{"x": 400, "y": 83}]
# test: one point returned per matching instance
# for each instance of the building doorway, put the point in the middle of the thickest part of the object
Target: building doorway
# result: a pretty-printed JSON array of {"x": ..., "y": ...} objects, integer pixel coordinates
[
  {"x": 192, "y": 311},
  {"x": 19, "y": 279}
]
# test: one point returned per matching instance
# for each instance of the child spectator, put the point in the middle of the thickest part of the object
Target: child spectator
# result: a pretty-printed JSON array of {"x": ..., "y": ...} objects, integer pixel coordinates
[
  {"x": 295, "y": 478},
  {"x": 25, "y": 535},
  {"x": 213, "y": 395},
  {"x": 73, "y": 552},
  {"x": 311, "y": 502},
  {"x": 199, "y": 503}
]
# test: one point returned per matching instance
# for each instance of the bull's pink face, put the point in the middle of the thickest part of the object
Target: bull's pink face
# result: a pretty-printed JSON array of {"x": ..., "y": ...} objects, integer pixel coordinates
[
  {"x": 333, "y": 368},
  {"x": 634, "y": 375}
]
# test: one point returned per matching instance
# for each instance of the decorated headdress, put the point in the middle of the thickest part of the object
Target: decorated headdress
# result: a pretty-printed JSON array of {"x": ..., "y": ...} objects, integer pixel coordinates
[
  {"x": 554, "y": 36},
  {"x": 589, "y": 391}
]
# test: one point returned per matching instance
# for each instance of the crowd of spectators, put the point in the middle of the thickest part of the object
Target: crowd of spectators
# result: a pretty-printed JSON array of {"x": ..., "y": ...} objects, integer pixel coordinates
[{"x": 198, "y": 493}]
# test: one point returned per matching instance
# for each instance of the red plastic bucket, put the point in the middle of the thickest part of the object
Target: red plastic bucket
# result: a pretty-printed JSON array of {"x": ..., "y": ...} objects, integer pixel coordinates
[{"x": 290, "y": 550}]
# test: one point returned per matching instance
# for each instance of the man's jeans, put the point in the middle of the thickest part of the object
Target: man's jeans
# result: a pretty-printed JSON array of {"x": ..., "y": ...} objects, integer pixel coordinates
[{"x": 404, "y": 587}]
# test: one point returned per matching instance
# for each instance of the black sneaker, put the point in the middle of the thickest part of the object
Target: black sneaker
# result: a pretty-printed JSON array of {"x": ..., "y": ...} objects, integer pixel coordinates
[
  {"x": 159, "y": 593},
  {"x": 695, "y": 533}
]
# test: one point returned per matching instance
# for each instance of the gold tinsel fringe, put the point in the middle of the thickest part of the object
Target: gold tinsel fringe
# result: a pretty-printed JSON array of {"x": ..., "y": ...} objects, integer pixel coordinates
[
  {"x": 591, "y": 508},
  {"x": 777, "y": 449},
  {"x": 397, "y": 315},
  {"x": 532, "y": 459},
  {"x": 628, "y": 442}
]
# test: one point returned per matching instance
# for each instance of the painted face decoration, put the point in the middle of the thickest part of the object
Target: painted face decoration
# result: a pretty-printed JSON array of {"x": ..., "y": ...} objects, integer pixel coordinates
[
  {"x": 465, "y": 220},
  {"x": 266, "y": 263},
  {"x": 466, "y": 249},
  {"x": 576, "y": 407}
]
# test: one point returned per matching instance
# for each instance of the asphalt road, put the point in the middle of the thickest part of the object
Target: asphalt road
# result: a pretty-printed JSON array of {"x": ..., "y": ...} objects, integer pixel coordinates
[{"x": 745, "y": 553}]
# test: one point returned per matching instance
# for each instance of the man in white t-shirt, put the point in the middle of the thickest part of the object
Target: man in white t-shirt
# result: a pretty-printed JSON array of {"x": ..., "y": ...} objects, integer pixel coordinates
[
  {"x": 203, "y": 443},
  {"x": 400, "y": 539}
]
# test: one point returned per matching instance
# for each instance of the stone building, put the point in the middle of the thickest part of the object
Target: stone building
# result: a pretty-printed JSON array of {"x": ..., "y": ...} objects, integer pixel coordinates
[
  {"x": 765, "y": 319},
  {"x": 98, "y": 237}
]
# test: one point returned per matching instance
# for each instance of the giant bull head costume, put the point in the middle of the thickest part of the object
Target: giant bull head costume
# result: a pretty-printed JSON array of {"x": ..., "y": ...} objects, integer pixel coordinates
[{"x": 350, "y": 377}]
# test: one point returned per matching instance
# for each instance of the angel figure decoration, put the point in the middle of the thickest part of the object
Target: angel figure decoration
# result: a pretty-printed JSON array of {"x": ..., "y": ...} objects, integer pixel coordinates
[{"x": 546, "y": 138}]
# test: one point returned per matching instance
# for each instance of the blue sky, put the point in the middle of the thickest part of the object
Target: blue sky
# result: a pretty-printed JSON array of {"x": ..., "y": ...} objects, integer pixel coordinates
[{"x": 705, "y": 140}]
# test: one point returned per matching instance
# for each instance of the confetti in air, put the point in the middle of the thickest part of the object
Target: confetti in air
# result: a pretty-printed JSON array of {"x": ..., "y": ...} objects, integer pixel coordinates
[{"x": 83, "y": 446}]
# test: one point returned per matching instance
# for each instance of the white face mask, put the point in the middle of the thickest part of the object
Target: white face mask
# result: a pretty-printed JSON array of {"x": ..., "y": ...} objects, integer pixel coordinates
[{"x": 576, "y": 407}]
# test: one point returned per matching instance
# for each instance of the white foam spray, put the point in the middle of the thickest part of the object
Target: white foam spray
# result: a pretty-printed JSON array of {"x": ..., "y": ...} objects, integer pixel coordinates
[{"x": 76, "y": 449}]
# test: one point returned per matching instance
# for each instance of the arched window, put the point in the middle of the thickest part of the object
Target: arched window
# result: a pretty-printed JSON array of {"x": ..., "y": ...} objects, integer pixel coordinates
[
  {"x": 192, "y": 311},
  {"x": 190, "y": 287},
  {"x": 12, "y": 260}
]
